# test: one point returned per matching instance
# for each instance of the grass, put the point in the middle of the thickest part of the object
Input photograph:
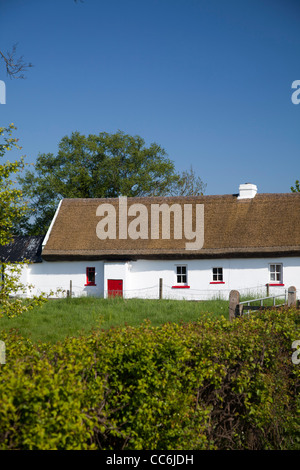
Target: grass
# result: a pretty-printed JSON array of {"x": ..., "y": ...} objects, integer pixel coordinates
[{"x": 57, "y": 319}]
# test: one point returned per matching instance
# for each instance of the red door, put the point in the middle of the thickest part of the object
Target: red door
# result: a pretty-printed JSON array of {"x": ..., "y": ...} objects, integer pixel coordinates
[{"x": 115, "y": 287}]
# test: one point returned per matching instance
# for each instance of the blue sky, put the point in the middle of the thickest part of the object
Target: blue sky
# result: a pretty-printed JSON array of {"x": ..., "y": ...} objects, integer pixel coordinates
[{"x": 208, "y": 80}]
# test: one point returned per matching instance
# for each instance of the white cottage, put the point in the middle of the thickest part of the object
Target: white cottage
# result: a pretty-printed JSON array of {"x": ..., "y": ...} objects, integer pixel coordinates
[{"x": 199, "y": 247}]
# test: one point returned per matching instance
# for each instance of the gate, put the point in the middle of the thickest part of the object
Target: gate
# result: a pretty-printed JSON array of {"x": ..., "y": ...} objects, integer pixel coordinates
[{"x": 237, "y": 308}]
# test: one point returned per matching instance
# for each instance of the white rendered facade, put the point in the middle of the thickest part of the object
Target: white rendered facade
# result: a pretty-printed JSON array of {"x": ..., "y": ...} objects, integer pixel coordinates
[{"x": 205, "y": 278}]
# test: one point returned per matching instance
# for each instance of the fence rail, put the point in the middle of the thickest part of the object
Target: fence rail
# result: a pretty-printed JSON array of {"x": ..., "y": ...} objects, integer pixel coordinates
[{"x": 237, "y": 308}]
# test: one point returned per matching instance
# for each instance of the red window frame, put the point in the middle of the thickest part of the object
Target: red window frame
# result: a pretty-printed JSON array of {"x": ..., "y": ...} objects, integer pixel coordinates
[{"x": 90, "y": 273}]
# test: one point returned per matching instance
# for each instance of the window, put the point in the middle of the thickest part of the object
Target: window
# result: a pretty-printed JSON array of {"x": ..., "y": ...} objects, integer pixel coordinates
[
  {"x": 276, "y": 273},
  {"x": 181, "y": 274},
  {"x": 181, "y": 277},
  {"x": 217, "y": 274},
  {"x": 90, "y": 276}
]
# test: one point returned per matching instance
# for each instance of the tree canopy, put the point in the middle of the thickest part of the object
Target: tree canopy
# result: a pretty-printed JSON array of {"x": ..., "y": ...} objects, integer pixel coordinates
[
  {"x": 11, "y": 207},
  {"x": 296, "y": 188},
  {"x": 100, "y": 166}
]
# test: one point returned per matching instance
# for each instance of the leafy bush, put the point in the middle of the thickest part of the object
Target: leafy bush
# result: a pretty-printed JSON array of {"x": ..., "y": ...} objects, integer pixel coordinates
[{"x": 210, "y": 384}]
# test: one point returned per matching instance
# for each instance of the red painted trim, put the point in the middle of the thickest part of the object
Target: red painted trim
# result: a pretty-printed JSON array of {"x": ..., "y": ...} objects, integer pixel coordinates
[
  {"x": 217, "y": 282},
  {"x": 90, "y": 284},
  {"x": 276, "y": 284},
  {"x": 180, "y": 287}
]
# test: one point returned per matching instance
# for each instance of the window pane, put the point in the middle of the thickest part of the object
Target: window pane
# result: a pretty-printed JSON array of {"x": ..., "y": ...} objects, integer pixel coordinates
[
  {"x": 276, "y": 272},
  {"x": 181, "y": 272},
  {"x": 217, "y": 274},
  {"x": 278, "y": 268}
]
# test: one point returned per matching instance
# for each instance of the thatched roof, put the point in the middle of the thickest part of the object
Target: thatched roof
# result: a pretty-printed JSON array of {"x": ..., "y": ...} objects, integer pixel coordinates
[
  {"x": 266, "y": 225},
  {"x": 22, "y": 248}
]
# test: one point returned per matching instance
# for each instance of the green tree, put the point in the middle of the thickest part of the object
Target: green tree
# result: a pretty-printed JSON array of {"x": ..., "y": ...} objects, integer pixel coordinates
[
  {"x": 12, "y": 208},
  {"x": 296, "y": 188},
  {"x": 95, "y": 166}
]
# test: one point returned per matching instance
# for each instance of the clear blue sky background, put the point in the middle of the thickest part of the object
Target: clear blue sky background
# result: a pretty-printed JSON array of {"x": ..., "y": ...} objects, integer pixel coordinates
[{"x": 208, "y": 80}]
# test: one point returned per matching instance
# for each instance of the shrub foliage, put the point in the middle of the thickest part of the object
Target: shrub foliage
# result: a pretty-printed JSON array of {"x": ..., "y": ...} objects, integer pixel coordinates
[{"x": 210, "y": 384}]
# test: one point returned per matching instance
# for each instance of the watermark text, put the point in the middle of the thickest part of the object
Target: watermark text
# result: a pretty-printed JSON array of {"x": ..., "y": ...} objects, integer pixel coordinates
[
  {"x": 296, "y": 94},
  {"x": 2, "y": 352},
  {"x": 153, "y": 223},
  {"x": 295, "y": 358},
  {"x": 2, "y": 92}
]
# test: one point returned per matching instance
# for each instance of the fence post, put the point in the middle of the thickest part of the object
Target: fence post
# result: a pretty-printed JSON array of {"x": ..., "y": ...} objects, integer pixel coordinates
[
  {"x": 160, "y": 288},
  {"x": 234, "y": 300},
  {"x": 268, "y": 289},
  {"x": 292, "y": 297},
  {"x": 71, "y": 289}
]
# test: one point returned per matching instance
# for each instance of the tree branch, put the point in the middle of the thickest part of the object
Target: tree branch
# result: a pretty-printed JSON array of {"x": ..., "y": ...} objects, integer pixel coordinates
[{"x": 14, "y": 66}]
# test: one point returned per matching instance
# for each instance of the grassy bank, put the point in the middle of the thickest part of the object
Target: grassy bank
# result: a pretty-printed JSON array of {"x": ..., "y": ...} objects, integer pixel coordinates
[{"x": 58, "y": 319}]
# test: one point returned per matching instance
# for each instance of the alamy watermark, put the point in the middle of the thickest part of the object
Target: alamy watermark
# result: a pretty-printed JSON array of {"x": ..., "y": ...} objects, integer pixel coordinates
[
  {"x": 295, "y": 358},
  {"x": 296, "y": 94},
  {"x": 2, "y": 352},
  {"x": 2, "y": 92},
  {"x": 188, "y": 222}
]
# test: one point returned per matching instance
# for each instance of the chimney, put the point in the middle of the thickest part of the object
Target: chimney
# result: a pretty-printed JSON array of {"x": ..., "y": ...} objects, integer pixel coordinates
[{"x": 247, "y": 191}]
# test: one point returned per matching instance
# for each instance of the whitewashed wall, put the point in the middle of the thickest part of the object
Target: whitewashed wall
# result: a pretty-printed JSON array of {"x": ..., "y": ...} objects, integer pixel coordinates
[
  {"x": 50, "y": 276},
  {"x": 21, "y": 277},
  {"x": 116, "y": 270},
  {"x": 141, "y": 278},
  {"x": 249, "y": 276}
]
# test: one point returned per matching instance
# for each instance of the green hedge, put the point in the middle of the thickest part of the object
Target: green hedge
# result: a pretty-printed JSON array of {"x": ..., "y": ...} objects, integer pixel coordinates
[{"x": 211, "y": 384}]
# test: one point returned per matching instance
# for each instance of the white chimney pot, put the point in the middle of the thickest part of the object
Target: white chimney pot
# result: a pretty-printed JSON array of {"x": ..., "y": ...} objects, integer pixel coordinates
[{"x": 247, "y": 191}]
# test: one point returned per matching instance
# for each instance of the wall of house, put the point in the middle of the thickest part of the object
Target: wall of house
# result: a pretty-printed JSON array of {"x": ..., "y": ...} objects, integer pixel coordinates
[
  {"x": 50, "y": 276},
  {"x": 249, "y": 276},
  {"x": 141, "y": 278},
  {"x": 117, "y": 270},
  {"x": 21, "y": 275}
]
